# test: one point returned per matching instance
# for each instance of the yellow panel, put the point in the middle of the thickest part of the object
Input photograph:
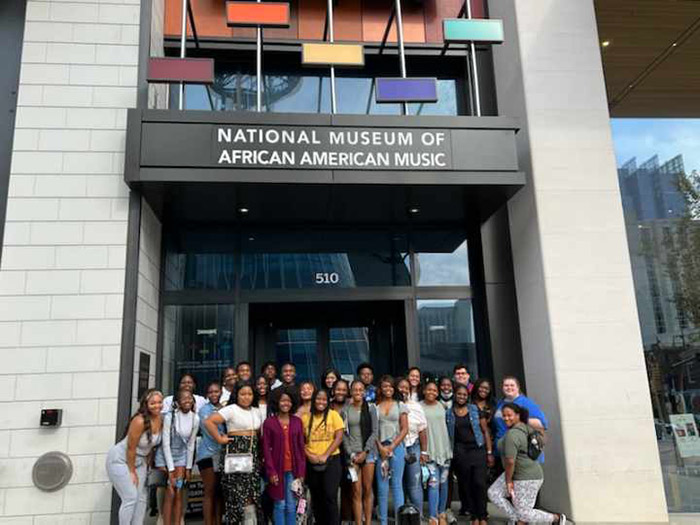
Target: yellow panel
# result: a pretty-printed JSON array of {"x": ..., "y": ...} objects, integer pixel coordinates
[{"x": 332, "y": 55}]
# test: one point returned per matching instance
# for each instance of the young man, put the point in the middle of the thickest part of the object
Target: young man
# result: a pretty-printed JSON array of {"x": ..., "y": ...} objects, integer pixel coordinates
[
  {"x": 365, "y": 373},
  {"x": 461, "y": 376},
  {"x": 269, "y": 372},
  {"x": 288, "y": 373},
  {"x": 244, "y": 371}
]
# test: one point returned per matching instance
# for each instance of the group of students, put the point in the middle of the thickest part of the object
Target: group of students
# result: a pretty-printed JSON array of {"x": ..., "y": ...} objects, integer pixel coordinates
[{"x": 274, "y": 450}]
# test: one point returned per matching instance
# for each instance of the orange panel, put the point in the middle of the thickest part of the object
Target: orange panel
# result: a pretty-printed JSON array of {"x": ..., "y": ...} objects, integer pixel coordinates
[
  {"x": 209, "y": 17},
  {"x": 286, "y": 33},
  {"x": 257, "y": 13},
  {"x": 375, "y": 15},
  {"x": 312, "y": 17}
]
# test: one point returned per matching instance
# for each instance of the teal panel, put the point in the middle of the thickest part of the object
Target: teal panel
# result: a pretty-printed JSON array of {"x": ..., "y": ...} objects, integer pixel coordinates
[{"x": 473, "y": 30}]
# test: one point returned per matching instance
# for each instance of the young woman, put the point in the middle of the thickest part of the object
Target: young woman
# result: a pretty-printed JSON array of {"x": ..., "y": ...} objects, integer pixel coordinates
[
  {"x": 392, "y": 427},
  {"x": 360, "y": 447},
  {"x": 329, "y": 378},
  {"x": 340, "y": 393},
  {"x": 414, "y": 379},
  {"x": 187, "y": 382},
  {"x": 481, "y": 397},
  {"x": 472, "y": 452},
  {"x": 243, "y": 422},
  {"x": 446, "y": 393},
  {"x": 176, "y": 456},
  {"x": 415, "y": 441},
  {"x": 439, "y": 453},
  {"x": 285, "y": 459},
  {"x": 262, "y": 388},
  {"x": 515, "y": 491},
  {"x": 228, "y": 383},
  {"x": 323, "y": 428},
  {"x": 306, "y": 393},
  {"x": 208, "y": 456},
  {"x": 127, "y": 461}
]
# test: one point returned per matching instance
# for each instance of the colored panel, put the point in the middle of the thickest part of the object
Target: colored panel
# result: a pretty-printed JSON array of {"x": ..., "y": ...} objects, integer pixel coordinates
[
  {"x": 190, "y": 70},
  {"x": 332, "y": 55},
  {"x": 267, "y": 14},
  {"x": 406, "y": 90},
  {"x": 475, "y": 30}
]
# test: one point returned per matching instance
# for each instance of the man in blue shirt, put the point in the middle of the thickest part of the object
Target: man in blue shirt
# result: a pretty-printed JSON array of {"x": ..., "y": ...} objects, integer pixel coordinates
[{"x": 365, "y": 373}]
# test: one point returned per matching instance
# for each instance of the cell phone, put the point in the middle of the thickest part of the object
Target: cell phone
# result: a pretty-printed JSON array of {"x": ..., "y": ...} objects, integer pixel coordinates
[
  {"x": 179, "y": 483},
  {"x": 353, "y": 474}
]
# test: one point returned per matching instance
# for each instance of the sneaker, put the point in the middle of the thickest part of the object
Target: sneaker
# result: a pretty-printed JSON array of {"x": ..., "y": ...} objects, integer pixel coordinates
[{"x": 562, "y": 519}]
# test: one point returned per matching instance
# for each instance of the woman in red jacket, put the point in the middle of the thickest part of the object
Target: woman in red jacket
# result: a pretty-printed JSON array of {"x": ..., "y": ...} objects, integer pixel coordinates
[{"x": 285, "y": 460}]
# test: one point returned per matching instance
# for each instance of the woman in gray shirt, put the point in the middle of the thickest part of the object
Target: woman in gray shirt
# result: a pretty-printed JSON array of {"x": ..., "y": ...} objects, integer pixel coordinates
[
  {"x": 360, "y": 447},
  {"x": 393, "y": 427}
]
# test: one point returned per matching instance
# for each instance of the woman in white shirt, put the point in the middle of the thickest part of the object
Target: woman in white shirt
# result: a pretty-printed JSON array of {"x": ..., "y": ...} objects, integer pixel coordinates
[
  {"x": 180, "y": 427},
  {"x": 416, "y": 443},
  {"x": 187, "y": 382},
  {"x": 240, "y": 473}
]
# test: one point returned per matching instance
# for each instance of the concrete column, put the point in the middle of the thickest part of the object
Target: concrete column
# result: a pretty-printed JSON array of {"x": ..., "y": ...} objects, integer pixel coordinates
[{"x": 582, "y": 349}]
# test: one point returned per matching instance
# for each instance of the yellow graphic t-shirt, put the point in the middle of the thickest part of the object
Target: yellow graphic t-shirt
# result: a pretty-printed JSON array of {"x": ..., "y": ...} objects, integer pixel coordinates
[{"x": 322, "y": 434}]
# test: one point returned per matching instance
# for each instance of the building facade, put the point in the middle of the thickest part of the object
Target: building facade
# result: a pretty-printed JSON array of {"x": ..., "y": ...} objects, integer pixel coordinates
[{"x": 277, "y": 210}]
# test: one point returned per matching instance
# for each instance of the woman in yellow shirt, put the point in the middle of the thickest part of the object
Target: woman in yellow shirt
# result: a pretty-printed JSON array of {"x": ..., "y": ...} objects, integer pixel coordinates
[{"x": 323, "y": 430}]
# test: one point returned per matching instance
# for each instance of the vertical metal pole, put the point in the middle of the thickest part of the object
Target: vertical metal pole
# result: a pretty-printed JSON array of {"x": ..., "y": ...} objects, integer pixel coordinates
[
  {"x": 258, "y": 70},
  {"x": 402, "y": 51},
  {"x": 475, "y": 69},
  {"x": 183, "y": 47},
  {"x": 334, "y": 107}
]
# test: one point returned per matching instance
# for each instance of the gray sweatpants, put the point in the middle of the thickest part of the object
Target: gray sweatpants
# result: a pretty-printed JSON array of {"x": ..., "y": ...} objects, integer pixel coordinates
[
  {"x": 522, "y": 508},
  {"x": 134, "y": 499}
]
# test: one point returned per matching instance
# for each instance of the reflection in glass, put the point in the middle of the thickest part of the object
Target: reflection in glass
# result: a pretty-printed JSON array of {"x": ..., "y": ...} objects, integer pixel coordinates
[
  {"x": 443, "y": 269},
  {"x": 660, "y": 188},
  {"x": 200, "y": 271},
  {"x": 348, "y": 348},
  {"x": 299, "y": 345},
  {"x": 446, "y": 336},
  {"x": 199, "y": 340}
]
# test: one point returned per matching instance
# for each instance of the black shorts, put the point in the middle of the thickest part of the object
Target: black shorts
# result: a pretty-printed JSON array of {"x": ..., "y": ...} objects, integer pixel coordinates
[{"x": 205, "y": 463}]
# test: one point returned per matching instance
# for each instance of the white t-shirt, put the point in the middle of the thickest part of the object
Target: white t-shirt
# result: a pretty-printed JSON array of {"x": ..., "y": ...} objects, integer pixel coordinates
[
  {"x": 199, "y": 402},
  {"x": 225, "y": 396},
  {"x": 238, "y": 418},
  {"x": 417, "y": 422}
]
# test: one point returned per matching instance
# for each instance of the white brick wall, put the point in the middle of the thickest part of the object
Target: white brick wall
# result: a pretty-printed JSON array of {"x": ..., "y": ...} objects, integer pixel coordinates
[{"x": 62, "y": 274}]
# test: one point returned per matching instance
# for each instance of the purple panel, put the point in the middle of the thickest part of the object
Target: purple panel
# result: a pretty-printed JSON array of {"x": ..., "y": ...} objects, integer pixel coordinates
[{"x": 406, "y": 90}]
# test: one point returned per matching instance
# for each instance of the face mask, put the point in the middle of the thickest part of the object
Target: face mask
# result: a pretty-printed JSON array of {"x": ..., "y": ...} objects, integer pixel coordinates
[{"x": 446, "y": 397}]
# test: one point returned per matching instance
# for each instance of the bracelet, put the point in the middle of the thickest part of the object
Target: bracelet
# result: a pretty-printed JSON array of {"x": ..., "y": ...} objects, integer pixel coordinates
[
  {"x": 489, "y": 452},
  {"x": 424, "y": 453}
]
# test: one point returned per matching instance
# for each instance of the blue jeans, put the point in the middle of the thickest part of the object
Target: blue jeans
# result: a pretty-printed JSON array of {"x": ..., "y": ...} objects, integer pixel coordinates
[
  {"x": 412, "y": 481},
  {"x": 285, "y": 510},
  {"x": 437, "y": 488},
  {"x": 397, "y": 462}
]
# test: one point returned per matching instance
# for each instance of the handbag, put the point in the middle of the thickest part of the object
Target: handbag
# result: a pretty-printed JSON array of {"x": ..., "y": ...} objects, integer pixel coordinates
[
  {"x": 318, "y": 467},
  {"x": 240, "y": 462},
  {"x": 157, "y": 478}
]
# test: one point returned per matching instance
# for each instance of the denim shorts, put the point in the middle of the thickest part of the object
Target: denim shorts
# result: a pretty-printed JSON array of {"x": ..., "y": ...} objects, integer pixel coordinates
[{"x": 178, "y": 450}]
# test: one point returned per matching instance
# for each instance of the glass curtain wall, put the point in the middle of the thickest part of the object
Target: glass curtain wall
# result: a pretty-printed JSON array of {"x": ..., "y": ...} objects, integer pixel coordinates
[{"x": 659, "y": 176}]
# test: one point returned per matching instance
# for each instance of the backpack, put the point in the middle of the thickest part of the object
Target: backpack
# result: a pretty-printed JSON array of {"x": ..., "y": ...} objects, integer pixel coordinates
[{"x": 535, "y": 442}]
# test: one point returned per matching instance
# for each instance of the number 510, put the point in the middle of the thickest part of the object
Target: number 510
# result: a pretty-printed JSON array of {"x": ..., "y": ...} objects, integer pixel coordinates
[{"x": 326, "y": 278}]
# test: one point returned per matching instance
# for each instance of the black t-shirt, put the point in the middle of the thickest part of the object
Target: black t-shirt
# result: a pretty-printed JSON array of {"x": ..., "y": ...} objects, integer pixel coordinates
[{"x": 464, "y": 434}]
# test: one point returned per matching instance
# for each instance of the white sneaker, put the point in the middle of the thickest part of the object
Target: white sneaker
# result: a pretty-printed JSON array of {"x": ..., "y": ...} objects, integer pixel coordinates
[{"x": 562, "y": 519}]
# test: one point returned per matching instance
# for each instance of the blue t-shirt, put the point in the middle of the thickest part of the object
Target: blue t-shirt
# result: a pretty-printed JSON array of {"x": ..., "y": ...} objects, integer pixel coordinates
[
  {"x": 208, "y": 445},
  {"x": 370, "y": 393},
  {"x": 534, "y": 412}
]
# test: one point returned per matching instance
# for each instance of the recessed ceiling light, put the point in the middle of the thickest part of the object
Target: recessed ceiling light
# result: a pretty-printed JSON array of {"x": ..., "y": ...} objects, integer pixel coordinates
[
  {"x": 675, "y": 44},
  {"x": 605, "y": 43},
  {"x": 242, "y": 210},
  {"x": 413, "y": 210}
]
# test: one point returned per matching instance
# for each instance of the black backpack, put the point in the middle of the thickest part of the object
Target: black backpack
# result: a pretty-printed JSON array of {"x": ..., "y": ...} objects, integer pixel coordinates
[
  {"x": 535, "y": 442},
  {"x": 409, "y": 515}
]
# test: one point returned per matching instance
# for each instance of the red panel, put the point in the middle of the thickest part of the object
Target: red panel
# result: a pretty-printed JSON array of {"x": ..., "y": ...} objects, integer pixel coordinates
[
  {"x": 190, "y": 70},
  {"x": 267, "y": 14}
]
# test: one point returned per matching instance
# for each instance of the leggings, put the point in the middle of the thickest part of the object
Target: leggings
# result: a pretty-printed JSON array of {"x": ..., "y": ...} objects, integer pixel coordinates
[
  {"x": 472, "y": 472},
  {"x": 522, "y": 508},
  {"x": 324, "y": 491},
  {"x": 134, "y": 499}
]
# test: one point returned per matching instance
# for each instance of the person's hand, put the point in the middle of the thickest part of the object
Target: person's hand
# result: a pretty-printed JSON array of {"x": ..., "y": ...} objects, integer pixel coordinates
[
  {"x": 490, "y": 460},
  {"x": 383, "y": 451},
  {"x": 313, "y": 458},
  {"x": 134, "y": 478},
  {"x": 274, "y": 479},
  {"x": 424, "y": 458},
  {"x": 188, "y": 475},
  {"x": 511, "y": 489},
  {"x": 360, "y": 458},
  {"x": 172, "y": 481},
  {"x": 222, "y": 439},
  {"x": 322, "y": 458}
]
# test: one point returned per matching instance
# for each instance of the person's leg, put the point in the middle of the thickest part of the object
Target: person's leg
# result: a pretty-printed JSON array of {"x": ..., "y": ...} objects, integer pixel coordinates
[
  {"x": 290, "y": 505},
  {"x": 142, "y": 497},
  {"x": 167, "y": 508},
  {"x": 477, "y": 487},
  {"x": 433, "y": 491},
  {"x": 356, "y": 496},
  {"x": 209, "y": 483},
  {"x": 398, "y": 464},
  {"x": 279, "y": 512},
  {"x": 524, "y": 496},
  {"x": 498, "y": 494},
  {"x": 315, "y": 482},
  {"x": 118, "y": 473},
  {"x": 382, "y": 494},
  {"x": 177, "y": 500},
  {"x": 367, "y": 491},
  {"x": 331, "y": 482},
  {"x": 412, "y": 477},
  {"x": 443, "y": 483},
  {"x": 461, "y": 468}
]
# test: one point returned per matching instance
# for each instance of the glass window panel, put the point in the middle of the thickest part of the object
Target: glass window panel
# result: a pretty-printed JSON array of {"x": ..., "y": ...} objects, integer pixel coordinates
[
  {"x": 446, "y": 336},
  {"x": 200, "y": 271},
  {"x": 300, "y": 346},
  {"x": 443, "y": 269},
  {"x": 348, "y": 347},
  {"x": 658, "y": 173},
  {"x": 197, "y": 339}
]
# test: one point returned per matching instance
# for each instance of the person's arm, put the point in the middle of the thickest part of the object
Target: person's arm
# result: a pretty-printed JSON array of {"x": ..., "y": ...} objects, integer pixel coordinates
[
  {"x": 423, "y": 440},
  {"x": 509, "y": 465},
  {"x": 337, "y": 439},
  {"x": 136, "y": 428},
  {"x": 483, "y": 423},
  {"x": 190, "y": 447},
  {"x": 267, "y": 452},
  {"x": 510, "y": 452},
  {"x": 167, "y": 429},
  {"x": 212, "y": 425},
  {"x": 371, "y": 444},
  {"x": 403, "y": 430}
]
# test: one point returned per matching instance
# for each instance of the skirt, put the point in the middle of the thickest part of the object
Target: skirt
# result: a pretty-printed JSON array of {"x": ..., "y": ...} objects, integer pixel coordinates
[{"x": 240, "y": 490}]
